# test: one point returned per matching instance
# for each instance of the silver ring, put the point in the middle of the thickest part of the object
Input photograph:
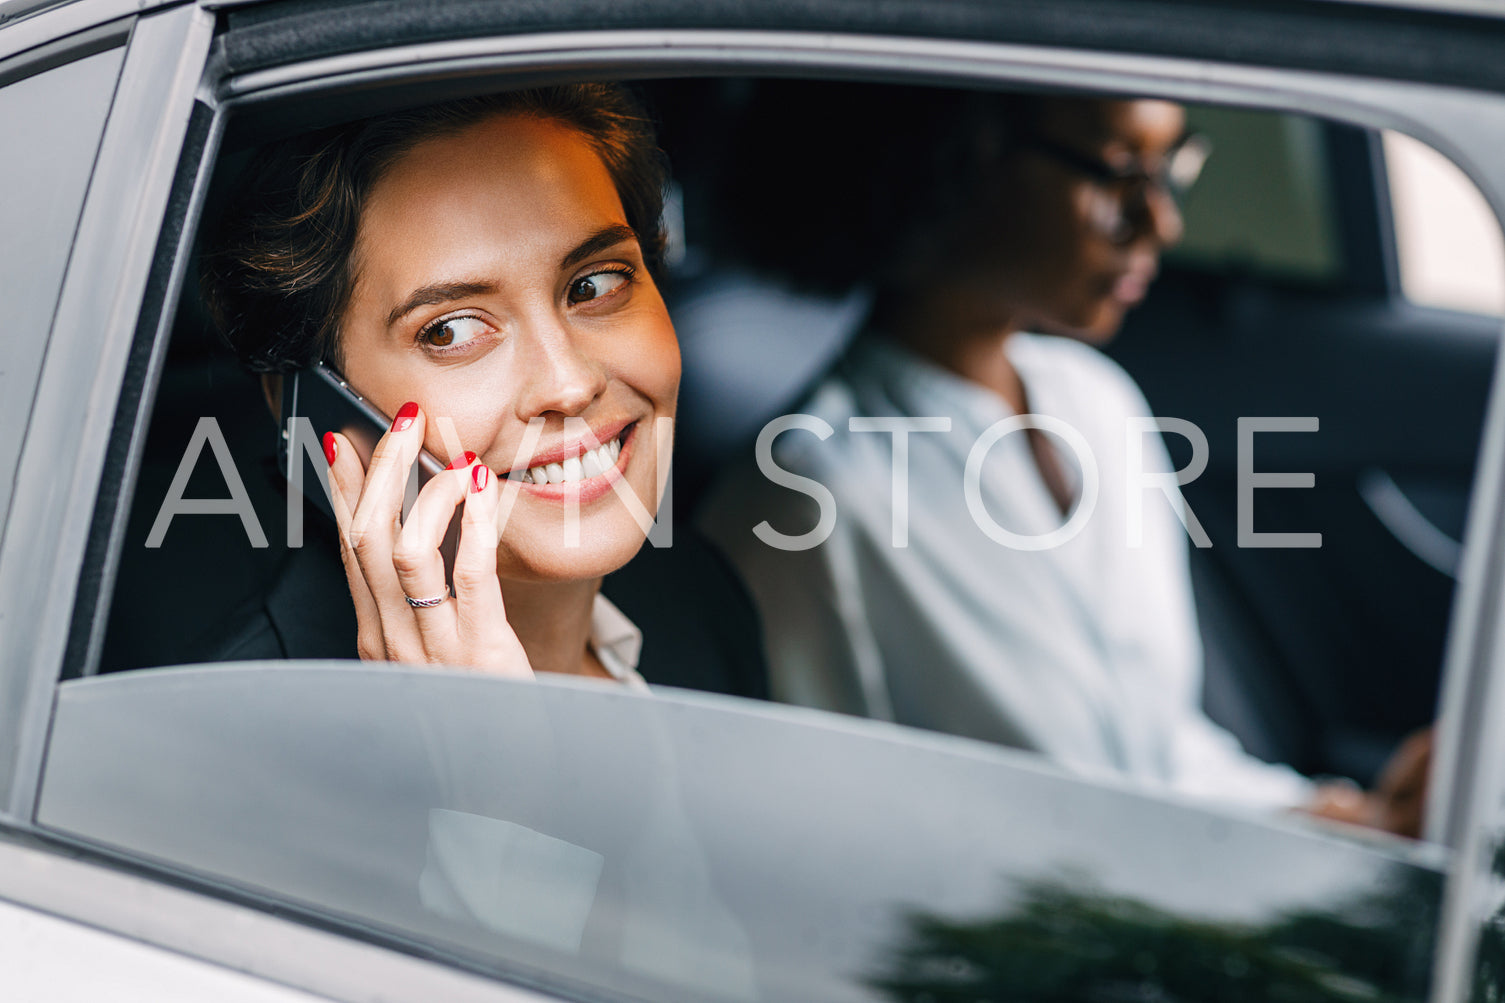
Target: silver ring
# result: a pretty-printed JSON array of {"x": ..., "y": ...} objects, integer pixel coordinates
[{"x": 426, "y": 603}]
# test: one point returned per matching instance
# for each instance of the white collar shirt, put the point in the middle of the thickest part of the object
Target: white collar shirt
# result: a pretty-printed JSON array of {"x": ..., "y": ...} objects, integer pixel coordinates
[
  {"x": 617, "y": 642},
  {"x": 1086, "y": 652}
]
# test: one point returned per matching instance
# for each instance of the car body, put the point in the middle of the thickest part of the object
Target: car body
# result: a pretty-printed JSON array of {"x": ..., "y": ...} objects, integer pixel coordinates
[{"x": 258, "y": 831}]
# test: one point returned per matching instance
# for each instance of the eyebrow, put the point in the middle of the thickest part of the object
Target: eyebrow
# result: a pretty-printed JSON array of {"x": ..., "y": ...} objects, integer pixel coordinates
[
  {"x": 608, "y": 236},
  {"x": 439, "y": 292},
  {"x": 445, "y": 292}
]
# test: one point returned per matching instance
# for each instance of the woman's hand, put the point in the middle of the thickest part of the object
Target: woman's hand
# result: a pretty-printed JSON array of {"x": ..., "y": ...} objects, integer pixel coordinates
[
  {"x": 1400, "y": 795},
  {"x": 389, "y": 561},
  {"x": 1399, "y": 799}
]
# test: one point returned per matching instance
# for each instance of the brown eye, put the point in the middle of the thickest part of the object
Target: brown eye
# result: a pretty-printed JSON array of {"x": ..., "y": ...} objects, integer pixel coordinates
[
  {"x": 456, "y": 330},
  {"x": 595, "y": 286}
]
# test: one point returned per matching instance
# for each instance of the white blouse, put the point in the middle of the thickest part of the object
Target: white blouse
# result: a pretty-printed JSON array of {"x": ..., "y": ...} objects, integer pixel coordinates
[
  {"x": 1086, "y": 652},
  {"x": 617, "y": 642}
]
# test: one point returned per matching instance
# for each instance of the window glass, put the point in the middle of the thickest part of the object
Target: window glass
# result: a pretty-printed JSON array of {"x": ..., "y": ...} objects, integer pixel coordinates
[
  {"x": 671, "y": 848},
  {"x": 1263, "y": 203},
  {"x": 52, "y": 123},
  {"x": 1448, "y": 242}
]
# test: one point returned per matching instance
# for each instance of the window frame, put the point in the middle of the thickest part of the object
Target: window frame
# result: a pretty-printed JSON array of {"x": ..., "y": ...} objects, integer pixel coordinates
[
  {"x": 167, "y": 53},
  {"x": 64, "y": 449}
]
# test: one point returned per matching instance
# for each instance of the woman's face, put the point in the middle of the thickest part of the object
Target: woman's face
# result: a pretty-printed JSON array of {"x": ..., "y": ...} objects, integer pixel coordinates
[
  {"x": 497, "y": 283},
  {"x": 1062, "y": 251}
]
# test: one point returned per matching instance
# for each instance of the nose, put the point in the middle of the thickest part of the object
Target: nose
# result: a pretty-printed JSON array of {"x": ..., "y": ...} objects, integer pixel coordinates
[
  {"x": 558, "y": 375},
  {"x": 1154, "y": 213}
]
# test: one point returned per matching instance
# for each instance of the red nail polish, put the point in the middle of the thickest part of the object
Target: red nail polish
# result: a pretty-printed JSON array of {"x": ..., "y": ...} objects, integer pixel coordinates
[
  {"x": 405, "y": 416},
  {"x": 479, "y": 478},
  {"x": 331, "y": 448},
  {"x": 462, "y": 461}
]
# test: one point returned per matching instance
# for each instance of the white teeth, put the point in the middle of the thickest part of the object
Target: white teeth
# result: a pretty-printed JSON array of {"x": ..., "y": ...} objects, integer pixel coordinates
[
  {"x": 590, "y": 463},
  {"x": 605, "y": 458}
]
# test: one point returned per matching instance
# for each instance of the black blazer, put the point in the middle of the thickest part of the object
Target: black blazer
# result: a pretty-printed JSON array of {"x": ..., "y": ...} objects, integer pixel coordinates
[{"x": 700, "y": 629}]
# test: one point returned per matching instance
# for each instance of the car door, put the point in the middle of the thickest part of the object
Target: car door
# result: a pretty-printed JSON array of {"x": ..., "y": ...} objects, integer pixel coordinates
[{"x": 912, "y": 848}]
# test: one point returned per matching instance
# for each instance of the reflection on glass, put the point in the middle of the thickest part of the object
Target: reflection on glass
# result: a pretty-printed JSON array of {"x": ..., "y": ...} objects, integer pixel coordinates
[
  {"x": 677, "y": 847},
  {"x": 1060, "y": 940},
  {"x": 1489, "y": 957}
]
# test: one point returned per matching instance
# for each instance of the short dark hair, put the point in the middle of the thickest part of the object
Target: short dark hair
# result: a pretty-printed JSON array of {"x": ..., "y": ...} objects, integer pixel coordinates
[
  {"x": 833, "y": 185},
  {"x": 277, "y": 273}
]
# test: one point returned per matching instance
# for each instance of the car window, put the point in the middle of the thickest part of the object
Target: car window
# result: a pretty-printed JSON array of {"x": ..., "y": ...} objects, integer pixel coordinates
[
  {"x": 52, "y": 122},
  {"x": 679, "y": 848},
  {"x": 1448, "y": 243},
  {"x": 1277, "y": 625},
  {"x": 1265, "y": 202}
]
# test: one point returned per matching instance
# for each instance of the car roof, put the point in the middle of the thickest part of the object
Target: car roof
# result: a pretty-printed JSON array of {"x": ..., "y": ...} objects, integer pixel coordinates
[
  {"x": 12, "y": 10},
  {"x": 1486, "y": 7},
  {"x": 1449, "y": 42},
  {"x": 1433, "y": 44}
]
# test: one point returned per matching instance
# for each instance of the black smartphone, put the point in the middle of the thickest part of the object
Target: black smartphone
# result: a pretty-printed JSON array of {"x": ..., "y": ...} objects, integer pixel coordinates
[{"x": 316, "y": 400}]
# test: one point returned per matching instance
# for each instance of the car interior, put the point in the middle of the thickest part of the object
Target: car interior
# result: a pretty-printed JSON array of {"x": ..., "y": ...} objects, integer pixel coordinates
[{"x": 1285, "y": 298}]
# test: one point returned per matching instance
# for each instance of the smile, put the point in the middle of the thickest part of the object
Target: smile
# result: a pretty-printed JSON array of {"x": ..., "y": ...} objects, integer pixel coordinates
[{"x": 585, "y": 464}]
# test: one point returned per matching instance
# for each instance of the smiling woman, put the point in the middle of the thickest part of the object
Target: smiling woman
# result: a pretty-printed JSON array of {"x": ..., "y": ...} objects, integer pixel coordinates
[{"x": 481, "y": 271}]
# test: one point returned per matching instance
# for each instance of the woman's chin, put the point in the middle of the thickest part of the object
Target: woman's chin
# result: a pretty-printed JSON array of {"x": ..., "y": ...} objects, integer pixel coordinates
[
  {"x": 552, "y": 556},
  {"x": 1096, "y": 325}
]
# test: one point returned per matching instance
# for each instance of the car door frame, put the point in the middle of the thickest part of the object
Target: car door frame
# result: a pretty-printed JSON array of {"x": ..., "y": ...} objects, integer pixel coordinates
[{"x": 62, "y": 461}]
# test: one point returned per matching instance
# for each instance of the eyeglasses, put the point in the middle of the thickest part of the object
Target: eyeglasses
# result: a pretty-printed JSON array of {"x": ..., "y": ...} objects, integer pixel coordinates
[{"x": 1175, "y": 174}]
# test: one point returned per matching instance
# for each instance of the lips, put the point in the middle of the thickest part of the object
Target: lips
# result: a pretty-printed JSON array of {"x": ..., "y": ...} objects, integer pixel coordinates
[
  {"x": 577, "y": 462},
  {"x": 1133, "y": 284},
  {"x": 590, "y": 463}
]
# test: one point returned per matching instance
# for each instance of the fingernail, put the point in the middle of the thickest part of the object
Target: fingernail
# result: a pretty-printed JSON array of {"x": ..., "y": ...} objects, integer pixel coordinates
[
  {"x": 479, "y": 477},
  {"x": 462, "y": 461},
  {"x": 405, "y": 416},
  {"x": 331, "y": 448}
]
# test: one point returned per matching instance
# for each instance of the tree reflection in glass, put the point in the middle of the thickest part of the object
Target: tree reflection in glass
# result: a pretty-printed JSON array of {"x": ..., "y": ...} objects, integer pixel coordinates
[{"x": 1058, "y": 939}]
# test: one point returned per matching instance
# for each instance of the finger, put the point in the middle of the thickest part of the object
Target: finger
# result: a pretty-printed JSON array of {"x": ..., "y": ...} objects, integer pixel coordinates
[
  {"x": 346, "y": 478},
  {"x": 488, "y": 639},
  {"x": 1341, "y": 802},
  {"x": 1402, "y": 788},
  {"x": 375, "y": 524},
  {"x": 419, "y": 563},
  {"x": 1408, "y": 766}
]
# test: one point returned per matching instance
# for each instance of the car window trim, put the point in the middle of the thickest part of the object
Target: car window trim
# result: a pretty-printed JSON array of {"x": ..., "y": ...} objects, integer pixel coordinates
[
  {"x": 41, "y": 58},
  {"x": 69, "y": 24},
  {"x": 128, "y": 431}
]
